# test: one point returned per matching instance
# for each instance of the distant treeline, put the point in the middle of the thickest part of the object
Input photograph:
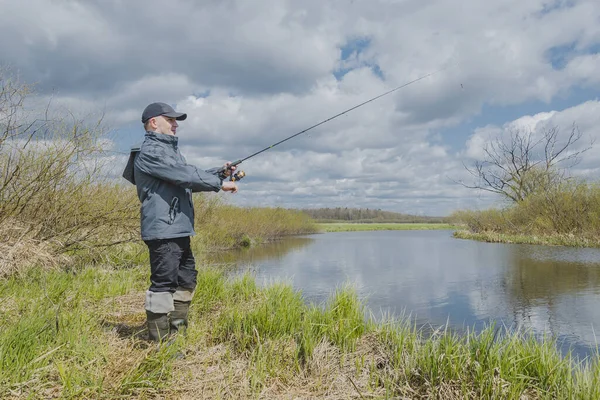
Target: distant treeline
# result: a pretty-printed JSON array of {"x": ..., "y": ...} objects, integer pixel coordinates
[{"x": 366, "y": 215}]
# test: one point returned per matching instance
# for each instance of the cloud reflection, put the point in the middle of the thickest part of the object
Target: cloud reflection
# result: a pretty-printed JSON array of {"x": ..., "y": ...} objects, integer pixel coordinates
[{"x": 435, "y": 279}]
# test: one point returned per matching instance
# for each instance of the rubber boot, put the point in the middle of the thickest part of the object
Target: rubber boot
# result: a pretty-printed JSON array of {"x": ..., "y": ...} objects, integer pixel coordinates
[
  {"x": 158, "y": 326},
  {"x": 179, "y": 317}
]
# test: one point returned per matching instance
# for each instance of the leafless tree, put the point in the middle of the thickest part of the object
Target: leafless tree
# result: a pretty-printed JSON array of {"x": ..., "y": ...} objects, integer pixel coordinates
[{"x": 526, "y": 162}]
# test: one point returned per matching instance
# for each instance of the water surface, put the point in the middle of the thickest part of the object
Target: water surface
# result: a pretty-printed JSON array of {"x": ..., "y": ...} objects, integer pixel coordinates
[{"x": 437, "y": 279}]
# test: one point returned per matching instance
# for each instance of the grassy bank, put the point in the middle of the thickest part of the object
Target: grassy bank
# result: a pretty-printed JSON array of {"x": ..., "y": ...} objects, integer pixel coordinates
[
  {"x": 351, "y": 227},
  {"x": 547, "y": 240},
  {"x": 221, "y": 226},
  {"x": 76, "y": 335},
  {"x": 567, "y": 215}
]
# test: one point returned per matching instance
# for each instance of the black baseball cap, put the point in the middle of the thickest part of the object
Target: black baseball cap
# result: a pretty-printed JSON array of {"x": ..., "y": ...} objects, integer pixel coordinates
[{"x": 156, "y": 109}]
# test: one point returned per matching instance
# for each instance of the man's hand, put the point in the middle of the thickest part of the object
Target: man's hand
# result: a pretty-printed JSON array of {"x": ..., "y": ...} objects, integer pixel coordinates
[
  {"x": 228, "y": 170},
  {"x": 229, "y": 187}
]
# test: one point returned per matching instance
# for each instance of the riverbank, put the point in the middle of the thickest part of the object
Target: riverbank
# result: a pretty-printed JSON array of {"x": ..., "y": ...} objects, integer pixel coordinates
[
  {"x": 79, "y": 334},
  {"x": 565, "y": 215},
  {"x": 546, "y": 240},
  {"x": 352, "y": 227}
]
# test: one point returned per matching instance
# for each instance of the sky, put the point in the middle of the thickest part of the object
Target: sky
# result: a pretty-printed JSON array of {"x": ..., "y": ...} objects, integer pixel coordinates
[{"x": 250, "y": 74}]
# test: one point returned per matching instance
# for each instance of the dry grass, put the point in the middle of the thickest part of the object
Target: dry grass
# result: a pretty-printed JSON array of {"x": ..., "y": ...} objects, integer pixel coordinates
[
  {"x": 214, "y": 372},
  {"x": 568, "y": 215},
  {"x": 18, "y": 249}
]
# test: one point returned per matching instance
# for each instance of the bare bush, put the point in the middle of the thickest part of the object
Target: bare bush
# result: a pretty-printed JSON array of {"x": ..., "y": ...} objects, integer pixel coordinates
[
  {"x": 51, "y": 180},
  {"x": 526, "y": 163}
]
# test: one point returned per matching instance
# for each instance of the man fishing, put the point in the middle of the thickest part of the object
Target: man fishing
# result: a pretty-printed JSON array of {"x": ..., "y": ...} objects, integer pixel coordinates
[{"x": 165, "y": 183}]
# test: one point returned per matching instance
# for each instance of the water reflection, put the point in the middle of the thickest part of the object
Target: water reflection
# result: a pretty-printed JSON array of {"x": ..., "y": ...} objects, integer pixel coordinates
[
  {"x": 437, "y": 279},
  {"x": 271, "y": 251},
  {"x": 556, "y": 290}
]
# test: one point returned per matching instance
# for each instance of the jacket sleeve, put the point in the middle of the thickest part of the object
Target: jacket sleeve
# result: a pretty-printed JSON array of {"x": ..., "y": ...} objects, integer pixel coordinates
[{"x": 178, "y": 173}]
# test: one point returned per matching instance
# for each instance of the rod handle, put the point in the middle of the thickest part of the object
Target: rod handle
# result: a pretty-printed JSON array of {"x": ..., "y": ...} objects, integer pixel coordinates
[{"x": 233, "y": 164}]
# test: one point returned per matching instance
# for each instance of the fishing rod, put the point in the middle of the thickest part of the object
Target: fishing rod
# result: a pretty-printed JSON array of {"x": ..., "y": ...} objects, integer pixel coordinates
[{"x": 240, "y": 174}]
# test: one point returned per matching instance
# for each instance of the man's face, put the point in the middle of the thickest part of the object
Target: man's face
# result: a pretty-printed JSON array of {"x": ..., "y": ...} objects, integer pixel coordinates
[{"x": 166, "y": 125}]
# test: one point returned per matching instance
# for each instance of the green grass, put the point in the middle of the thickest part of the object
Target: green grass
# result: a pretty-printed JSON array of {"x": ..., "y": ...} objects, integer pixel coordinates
[
  {"x": 352, "y": 227},
  {"x": 73, "y": 335},
  {"x": 51, "y": 328},
  {"x": 543, "y": 239}
]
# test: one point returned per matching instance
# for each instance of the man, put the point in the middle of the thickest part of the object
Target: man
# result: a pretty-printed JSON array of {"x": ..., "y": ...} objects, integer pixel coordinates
[{"x": 165, "y": 182}]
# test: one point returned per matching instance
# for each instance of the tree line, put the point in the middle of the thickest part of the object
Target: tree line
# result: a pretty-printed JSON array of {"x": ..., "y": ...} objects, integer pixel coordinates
[{"x": 366, "y": 215}]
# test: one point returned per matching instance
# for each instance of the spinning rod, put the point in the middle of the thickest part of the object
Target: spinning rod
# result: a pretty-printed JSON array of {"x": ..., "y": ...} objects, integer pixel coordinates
[{"x": 240, "y": 174}]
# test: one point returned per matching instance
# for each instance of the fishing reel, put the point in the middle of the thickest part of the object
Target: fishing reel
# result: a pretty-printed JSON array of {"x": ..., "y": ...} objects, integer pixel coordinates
[
  {"x": 234, "y": 176},
  {"x": 237, "y": 176}
]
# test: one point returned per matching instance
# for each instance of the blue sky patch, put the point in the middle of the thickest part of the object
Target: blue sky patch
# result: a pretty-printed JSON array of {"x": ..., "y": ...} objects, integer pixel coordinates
[
  {"x": 456, "y": 136},
  {"x": 352, "y": 49},
  {"x": 340, "y": 72},
  {"x": 377, "y": 71},
  {"x": 202, "y": 95},
  {"x": 559, "y": 56},
  {"x": 555, "y": 5},
  {"x": 355, "y": 46}
]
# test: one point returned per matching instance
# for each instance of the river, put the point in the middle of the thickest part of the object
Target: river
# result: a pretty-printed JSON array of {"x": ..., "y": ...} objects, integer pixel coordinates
[{"x": 436, "y": 279}]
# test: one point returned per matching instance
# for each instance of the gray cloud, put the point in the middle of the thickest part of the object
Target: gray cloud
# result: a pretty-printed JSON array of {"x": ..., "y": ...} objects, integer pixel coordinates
[{"x": 92, "y": 48}]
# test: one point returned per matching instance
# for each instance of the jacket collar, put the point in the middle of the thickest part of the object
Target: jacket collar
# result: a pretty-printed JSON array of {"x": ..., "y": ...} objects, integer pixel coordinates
[{"x": 161, "y": 137}]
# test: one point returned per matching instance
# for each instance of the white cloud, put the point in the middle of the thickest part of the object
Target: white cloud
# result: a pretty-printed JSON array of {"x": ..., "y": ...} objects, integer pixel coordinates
[
  {"x": 585, "y": 68},
  {"x": 248, "y": 75}
]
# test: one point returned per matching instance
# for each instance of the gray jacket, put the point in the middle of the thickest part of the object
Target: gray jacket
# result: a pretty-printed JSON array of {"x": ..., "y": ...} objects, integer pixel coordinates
[{"x": 165, "y": 182}]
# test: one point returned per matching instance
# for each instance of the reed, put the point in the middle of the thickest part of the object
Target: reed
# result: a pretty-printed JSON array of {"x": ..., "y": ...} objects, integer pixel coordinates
[{"x": 222, "y": 226}]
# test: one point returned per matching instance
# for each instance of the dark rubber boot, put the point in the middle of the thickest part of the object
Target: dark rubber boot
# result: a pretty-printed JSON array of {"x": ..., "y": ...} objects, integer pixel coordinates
[
  {"x": 158, "y": 326},
  {"x": 179, "y": 317}
]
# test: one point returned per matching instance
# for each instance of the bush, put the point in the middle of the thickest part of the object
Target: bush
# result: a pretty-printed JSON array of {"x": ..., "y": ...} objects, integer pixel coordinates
[
  {"x": 222, "y": 226},
  {"x": 54, "y": 196},
  {"x": 571, "y": 209}
]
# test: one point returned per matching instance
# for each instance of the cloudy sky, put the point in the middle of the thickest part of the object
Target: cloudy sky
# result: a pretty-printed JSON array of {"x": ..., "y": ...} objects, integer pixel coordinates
[{"x": 250, "y": 73}]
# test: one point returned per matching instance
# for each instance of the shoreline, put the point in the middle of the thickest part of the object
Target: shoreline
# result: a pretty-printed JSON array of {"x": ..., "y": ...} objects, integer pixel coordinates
[{"x": 543, "y": 240}]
